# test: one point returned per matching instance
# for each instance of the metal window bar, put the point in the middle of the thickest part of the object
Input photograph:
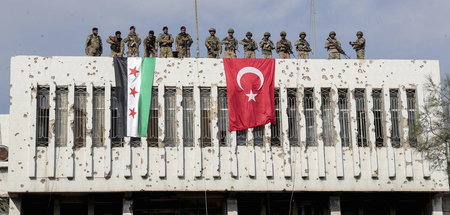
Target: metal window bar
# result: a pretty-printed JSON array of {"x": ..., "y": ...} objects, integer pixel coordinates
[
  {"x": 170, "y": 118},
  {"x": 205, "y": 117},
  {"x": 344, "y": 117},
  {"x": 98, "y": 120},
  {"x": 61, "y": 116},
  {"x": 135, "y": 142},
  {"x": 116, "y": 141},
  {"x": 42, "y": 116},
  {"x": 258, "y": 135},
  {"x": 411, "y": 106},
  {"x": 223, "y": 116},
  {"x": 327, "y": 119},
  {"x": 361, "y": 118},
  {"x": 292, "y": 116},
  {"x": 377, "y": 117},
  {"x": 309, "y": 116},
  {"x": 188, "y": 117},
  {"x": 152, "y": 131},
  {"x": 395, "y": 130},
  {"x": 241, "y": 137},
  {"x": 275, "y": 128},
  {"x": 80, "y": 116}
]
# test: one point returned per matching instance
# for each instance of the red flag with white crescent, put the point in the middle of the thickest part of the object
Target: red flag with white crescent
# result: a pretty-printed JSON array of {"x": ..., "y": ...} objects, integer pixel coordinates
[{"x": 250, "y": 90}]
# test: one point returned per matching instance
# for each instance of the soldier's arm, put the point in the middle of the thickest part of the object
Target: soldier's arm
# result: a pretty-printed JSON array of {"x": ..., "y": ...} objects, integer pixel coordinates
[
  {"x": 206, "y": 43},
  {"x": 86, "y": 46},
  {"x": 145, "y": 43},
  {"x": 190, "y": 41},
  {"x": 101, "y": 44},
  {"x": 290, "y": 44},
  {"x": 122, "y": 48},
  {"x": 109, "y": 41},
  {"x": 261, "y": 44},
  {"x": 170, "y": 38},
  {"x": 327, "y": 44},
  {"x": 242, "y": 42},
  {"x": 297, "y": 43},
  {"x": 125, "y": 40},
  {"x": 138, "y": 41}
]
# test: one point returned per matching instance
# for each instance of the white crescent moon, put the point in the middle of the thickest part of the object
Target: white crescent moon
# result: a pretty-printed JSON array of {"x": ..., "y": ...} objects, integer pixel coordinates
[{"x": 252, "y": 70}]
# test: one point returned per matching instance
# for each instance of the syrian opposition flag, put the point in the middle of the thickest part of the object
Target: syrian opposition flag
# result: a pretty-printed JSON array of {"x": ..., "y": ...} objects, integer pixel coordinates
[
  {"x": 250, "y": 90},
  {"x": 134, "y": 81}
]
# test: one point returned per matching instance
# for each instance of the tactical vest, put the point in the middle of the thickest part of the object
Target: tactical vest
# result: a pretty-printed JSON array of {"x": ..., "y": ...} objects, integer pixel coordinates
[{"x": 115, "y": 47}]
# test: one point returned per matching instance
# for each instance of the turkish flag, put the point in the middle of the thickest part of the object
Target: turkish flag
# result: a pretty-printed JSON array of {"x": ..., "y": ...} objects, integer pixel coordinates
[{"x": 250, "y": 90}]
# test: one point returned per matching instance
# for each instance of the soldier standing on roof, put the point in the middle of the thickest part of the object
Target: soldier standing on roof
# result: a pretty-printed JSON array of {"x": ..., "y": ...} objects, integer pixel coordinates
[
  {"x": 266, "y": 46},
  {"x": 213, "y": 45},
  {"x": 93, "y": 46},
  {"x": 133, "y": 41},
  {"x": 150, "y": 45},
  {"x": 231, "y": 45},
  {"x": 284, "y": 46},
  {"x": 117, "y": 46},
  {"x": 249, "y": 46},
  {"x": 183, "y": 43},
  {"x": 165, "y": 41},
  {"x": 302, "y": 47},
  {"x": 332, "y": 45},
  {"x": 359, "y": 45}
]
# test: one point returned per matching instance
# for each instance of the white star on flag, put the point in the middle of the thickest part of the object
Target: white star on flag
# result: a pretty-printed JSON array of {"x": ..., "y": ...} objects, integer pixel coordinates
[{"x": 251, "y": 96}]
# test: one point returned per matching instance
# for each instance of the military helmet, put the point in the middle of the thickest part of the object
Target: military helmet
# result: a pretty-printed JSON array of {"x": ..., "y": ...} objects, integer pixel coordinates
[
  {"x": 267, "y": 34},
  {"x": 283, "y": 33},
  {"x": 332, "y": 33},
  {"x": 302, "y": 33},
  {"x": 212, "y": 29},
  {"x": 118, "y": 32},
  {"x": 230, "y": 30},
  {"x": 359, "y": 33},
  {"x": 151, "y": 32},
  {"x": 249, "y": 34}
]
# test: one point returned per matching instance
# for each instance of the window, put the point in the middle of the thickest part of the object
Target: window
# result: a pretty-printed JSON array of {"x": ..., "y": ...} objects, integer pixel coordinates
[
  {"x": 361, "y": 118},
  {"x": 170, "y": 118},
  {"x": 80, "y": 116},
  {"x": 344, "y": 117},
  {"x": 188, "y": 117},
  {"x": 275, "y": 129},
  {"x": 292, "y": 116},
  {"x": 223, "y": 116},
  {"x": 42, "y": 115},
  {"x": 205, "y": 116},
  {"x": 309, "y": 116},
  {"x": 116, "y": 141},
  {"x": 152, "y": 131},
  {"x": 327, "y": 119},
  {"x": 258, "y": 135},
  {"x": 241, "y": 137},
  {"x": 61, "y": 117},
  {"x": 395, "y": 131},
  {"x": 98, "y": 120},
  {"x": 411, "y": 105},
  {"x": 377, "y": 117},
  {"x": 135, "y": 141}
]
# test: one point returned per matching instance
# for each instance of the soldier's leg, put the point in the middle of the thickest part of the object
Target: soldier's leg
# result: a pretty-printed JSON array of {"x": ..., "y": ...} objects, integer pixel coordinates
[
  {"x": 188, "y": 53},
  {"x": 181, "y": 53},
  {"x": 226, "y": 54},
  {"x": 360, "y": 54},
  {"x": 169, "y": 52},
  {"x": 337, "y": 55},
  {"x": 246, "y": 54},
  {"x": 136, "y": 52},
  {"x": 129, "y": 53},
  {"x": 284, "y": 55},
  {"x": 113, "y": 54},
  {"x": 252, "y": 55},
  {"x": 233, "y": 55},
  {"x": 162, "y": 53}
]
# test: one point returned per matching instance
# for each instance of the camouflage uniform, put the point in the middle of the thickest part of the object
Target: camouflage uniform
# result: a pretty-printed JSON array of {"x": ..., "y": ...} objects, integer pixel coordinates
[
  {"x": 330, "y": 45},
  {"x": 284, "y": 52},
  {"x": 133, "y": 41},
  {"x": 166, "y": 49},
  {"x": 183, "y": 46},
  {"x": 93, "y": 46},
  {"x": 360, "y": 49},
  {"x": 117, "y": 46},
  {"x": 231, "y": 47},
  {"x": 216, "y": 47},
  {"x": 249, "y": 49},
  {"x": 302, "y": 48},
  {"x": 150, "y": 46},
  {"x": 266, "y": 46}
]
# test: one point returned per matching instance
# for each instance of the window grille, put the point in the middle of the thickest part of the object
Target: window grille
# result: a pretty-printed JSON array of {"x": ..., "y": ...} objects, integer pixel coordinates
[
  {"x": 377, "y": 117},
  {"x": 152, "y": 131},
  {"x": 241, "y": 137},
  {"x": 411, "y": 105},
  {"x": 327, "y": 119},
  {"x": 258, "y": 135},
  {"x": 135, "y": 141},
  {"x": 98, "y": 121},
  {"x": 116, "y": 141},
  {"x": 292, "y": 116},
  {"x": 361, "y": 118},
  {"x": 223, "y": 116},
  {"x": 205, "y": 116},
  {"x": 344, "y": 117},
  {"x": 61, "y": 116},
  {"x": 275, "y": 129},
  {"x": 309, "y": 116},
  {"x": 170, "y": 118},
  {"x": 42, "y": 115},
  {"x": 395, "y": 131},
  {"x": 188, "y": 117},
  {"x": 80, "y": 116}
]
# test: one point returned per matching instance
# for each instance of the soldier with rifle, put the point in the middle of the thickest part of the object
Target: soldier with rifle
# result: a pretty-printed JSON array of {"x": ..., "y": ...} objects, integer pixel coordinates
[
  {"x": 183, "y": 42},
  {"x": 266, "y": 46},
  {"x": 150, "y": 45},
  {"x": 133, "y": 41},
  {"x": 359, "y": 45},
  {"x": 117, "y": 46},
  {"x": 231, "y": 45},
  {"x": 93, "y": 46},
  {"x": 165, "y": 41},
  {"x": 249, "y": 46},
  {"x": 303, "y": 47},
  {"x": 334, "y": 47},
  {"x": 284, "y": 47},
  {"x": 213, "y": 45}
]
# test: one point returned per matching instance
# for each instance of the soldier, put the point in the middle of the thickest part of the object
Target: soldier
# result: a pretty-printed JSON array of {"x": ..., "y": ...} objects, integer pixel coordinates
[
  {"x": 183, "y": 43},
  {"x": 359, "y": 45},
  {"x": 302, "y": 47},
  {"x": 133, "y": 41},
  {"x": 150, "y": 45},
  {"x": 249, "y": 46},
  {"x": 117, "y": 46},
  {"x": 213, "y": 45},
  {"x": 332, "y": 45},
  {"x": 93, "y": 46},
  {"x": 266, "y": 46},
  {"x": 165, "y": 41},
  {"x": 231, "y": 45},
  {"x": 284, "y": 47}
]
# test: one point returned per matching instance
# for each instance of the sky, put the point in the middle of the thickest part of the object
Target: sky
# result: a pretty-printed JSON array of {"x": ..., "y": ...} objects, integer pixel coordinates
[{"x": 400, "y": 29}]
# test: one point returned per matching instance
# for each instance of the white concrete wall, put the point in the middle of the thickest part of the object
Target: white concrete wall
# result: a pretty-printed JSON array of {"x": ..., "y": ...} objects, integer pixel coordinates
[
  {"x": 4, "y": 140},
  {"x": 232, "y": 168}
]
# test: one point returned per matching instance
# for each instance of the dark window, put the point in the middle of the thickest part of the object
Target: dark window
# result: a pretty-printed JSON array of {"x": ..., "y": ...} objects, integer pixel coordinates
[
  {"x": 361, "y": 118},
  {"x": 223, "y": 116},
  {"x": 292, "y": 116},
  {"x": 116, "y": 141},
  {"x": 205, "y": 116},
  {"x": 377, "y": 117},
  {"x": 411, "y": 105},
  {"x": 61, "y": 116},
  {"x": 395, "y": 130},
  {"x": 152, "y": 131},
  {"x": 188, "y": 117},
  {"x": 327, "y": 119},
  {"x": 344, "y": 117},
  {"x": 42, "y": 115},
  {"x": 241, "y": 137},
  {"x": 275, "y": 128},
  {"x": 309, "y": 116},
  {"x": 98, "y": 120},
  {"x": 135, "y": 141},
  {"x": 80, "y": 116},
  {"x": 170, "y": 117},
  {"x": 258, "y": 135}
]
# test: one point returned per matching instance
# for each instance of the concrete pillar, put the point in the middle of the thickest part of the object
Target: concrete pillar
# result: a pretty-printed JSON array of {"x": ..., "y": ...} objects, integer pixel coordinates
[
  {"x": 15, "y": 206},
  {"x": 232, "y": 207},
  {"x": 437, "y": 205},
  {"x": 127, "y": 208},
  {"x": 335, "y": 205}
]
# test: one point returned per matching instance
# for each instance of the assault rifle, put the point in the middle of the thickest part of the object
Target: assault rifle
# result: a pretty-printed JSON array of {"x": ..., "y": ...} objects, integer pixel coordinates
[
  {"x": 288, "y": 48},
  {"x": 150, "y": 44},
  {"x": 339, "y": 48},
  {"x": 250, "y": 44},
  {"x": 233, "y": 46}
]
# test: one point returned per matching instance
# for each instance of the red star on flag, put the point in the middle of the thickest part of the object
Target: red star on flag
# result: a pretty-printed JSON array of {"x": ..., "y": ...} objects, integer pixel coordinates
[
  {"x": 132, "y": 112},
  {"x": 134, "y": 71},
  {"x": 133, "y": 91}
]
